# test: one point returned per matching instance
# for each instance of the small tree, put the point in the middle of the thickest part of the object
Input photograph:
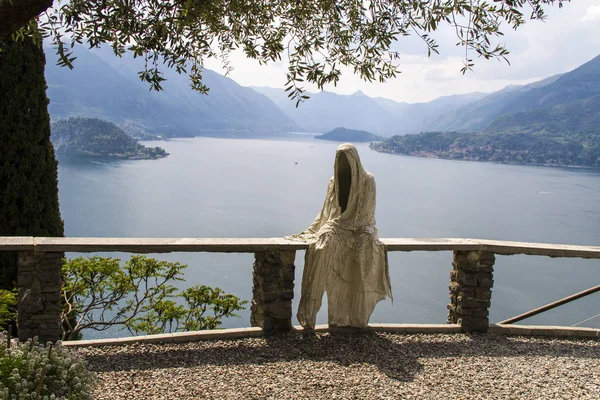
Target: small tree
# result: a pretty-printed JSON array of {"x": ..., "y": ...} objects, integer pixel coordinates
[{"x": 98, "y": 294}]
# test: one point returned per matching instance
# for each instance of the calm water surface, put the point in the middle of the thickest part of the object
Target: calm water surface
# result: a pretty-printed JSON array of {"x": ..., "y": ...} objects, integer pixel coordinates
[{"x": 254, "y": 188}]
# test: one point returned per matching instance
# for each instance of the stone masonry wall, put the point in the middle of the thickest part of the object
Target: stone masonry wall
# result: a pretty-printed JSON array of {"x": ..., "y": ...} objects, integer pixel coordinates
[
  {"x": 273, "y": 290},
  {"x": 39, "y": 281},
  {"x": 471, "y": 282}
]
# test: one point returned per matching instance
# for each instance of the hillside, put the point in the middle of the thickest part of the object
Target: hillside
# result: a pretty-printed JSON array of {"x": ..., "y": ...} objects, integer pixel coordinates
[
  {"x": 537, "y": 147},
  {"x": 563, "y": 90},
  {"x": 471, "y": 112},
  {"x": 105, "y": 86},
  {"x": 579, "y": 118},
  {"x": 555, "y": 121},
  {"x": 325, "y": 111},
  {"x": 92, "y": 137},
  {"x": 349, "y": 135}
]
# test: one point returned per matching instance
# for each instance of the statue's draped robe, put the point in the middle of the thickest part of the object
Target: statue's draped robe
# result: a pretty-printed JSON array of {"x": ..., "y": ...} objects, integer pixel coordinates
[{"x": 344, "y": 258}]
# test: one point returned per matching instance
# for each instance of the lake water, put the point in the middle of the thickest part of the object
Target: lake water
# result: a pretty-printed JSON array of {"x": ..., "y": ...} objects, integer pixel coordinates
[{"x": 271, "y": 188}]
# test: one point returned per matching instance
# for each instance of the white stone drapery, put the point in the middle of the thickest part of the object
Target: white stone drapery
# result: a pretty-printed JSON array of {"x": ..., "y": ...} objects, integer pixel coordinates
[{"x": 345, "y": 257}]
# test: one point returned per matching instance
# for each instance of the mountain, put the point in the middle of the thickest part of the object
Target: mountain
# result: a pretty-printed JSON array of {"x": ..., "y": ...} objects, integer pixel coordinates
[
  {"x": 92, "y": 137},
  {"x": 551, "y": 122},
  {"x": 555, "y": 121},
  {"x": 471, "y": 112},
  {"x": 580, "y": 118},
  {"x": 416, "y": 117},
  {"x": 105, "y": 86},
  {"x": 325, "y": 111},
  {"x": 477, "y": 115},
  {"x": 562, "y": 104},
  {"x": 349, "y": 135}
]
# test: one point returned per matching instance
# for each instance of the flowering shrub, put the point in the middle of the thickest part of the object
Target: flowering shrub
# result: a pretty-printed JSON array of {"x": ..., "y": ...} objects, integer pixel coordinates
[{"x": 33, "y": 371}]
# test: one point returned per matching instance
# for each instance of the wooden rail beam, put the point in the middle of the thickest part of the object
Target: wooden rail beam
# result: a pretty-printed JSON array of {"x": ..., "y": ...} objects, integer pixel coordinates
[
  {"x": 550, "y": 306},
  {"x": 252, "y": 245}
]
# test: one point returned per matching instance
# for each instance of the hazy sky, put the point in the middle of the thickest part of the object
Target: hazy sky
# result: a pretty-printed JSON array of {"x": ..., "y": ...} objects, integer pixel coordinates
[{"x": 568, "y": 38}]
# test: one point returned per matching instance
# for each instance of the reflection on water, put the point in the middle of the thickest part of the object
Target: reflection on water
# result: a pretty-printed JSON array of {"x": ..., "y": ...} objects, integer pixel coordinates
[{"x": 270, "y": 188}]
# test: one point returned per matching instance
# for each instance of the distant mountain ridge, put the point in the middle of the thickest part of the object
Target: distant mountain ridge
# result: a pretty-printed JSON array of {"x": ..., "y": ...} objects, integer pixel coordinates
[
  {"x": 471, "y": 112},
  {"x": 325, "y": 111},
  {"x": 105, "y": 86},
  {"x": 551, "y": 122}
]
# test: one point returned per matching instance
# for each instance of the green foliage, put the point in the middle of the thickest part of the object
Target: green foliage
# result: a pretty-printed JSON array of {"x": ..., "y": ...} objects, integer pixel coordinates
[
  {"x": 8, "y": 307},
  {"x": 317, "y": 37},
  {"x": 533, "y": 147},
  {"x": 31, "y": 371},
  {"x": 349, "y": 135},
  {"x": 28, "y": 174},
  {"x": 99, "y": 293},
  {"x": 204, "y": 307},
  {"x": 92, "y": 137}
]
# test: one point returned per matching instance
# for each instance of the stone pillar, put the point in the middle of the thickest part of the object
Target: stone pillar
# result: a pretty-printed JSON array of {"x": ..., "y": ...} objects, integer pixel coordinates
[
  {"x": 273, "y": 290},
  {"x": 471, "y": 282},
  {"x": 39, "y": 282}
]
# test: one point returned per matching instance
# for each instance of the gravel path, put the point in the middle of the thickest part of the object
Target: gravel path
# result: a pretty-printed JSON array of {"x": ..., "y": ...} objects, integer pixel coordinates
[{"x": 351, "y": 366}]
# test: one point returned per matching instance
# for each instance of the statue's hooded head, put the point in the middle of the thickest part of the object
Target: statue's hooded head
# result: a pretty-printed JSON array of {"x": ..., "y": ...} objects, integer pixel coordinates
[
  {"x": 350, "y": 199},
  {"x": 354, "y": 188},
  {"x": 347, "y": 174}
]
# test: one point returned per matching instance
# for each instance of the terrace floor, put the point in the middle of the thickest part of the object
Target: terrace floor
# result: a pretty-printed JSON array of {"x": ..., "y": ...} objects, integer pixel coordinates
[{"x": 368, "y": 365}]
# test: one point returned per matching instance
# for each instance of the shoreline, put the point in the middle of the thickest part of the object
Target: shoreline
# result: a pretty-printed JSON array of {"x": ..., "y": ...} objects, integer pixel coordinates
[{"x": 492, "y": 162}]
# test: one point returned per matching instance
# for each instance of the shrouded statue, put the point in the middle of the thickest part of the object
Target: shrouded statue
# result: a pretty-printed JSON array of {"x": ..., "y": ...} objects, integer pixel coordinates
[{"x": 345, "y": 257}]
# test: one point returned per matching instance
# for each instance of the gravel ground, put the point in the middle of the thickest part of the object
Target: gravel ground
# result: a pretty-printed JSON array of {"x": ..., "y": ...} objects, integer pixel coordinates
[{"x": 351, "y": 366}]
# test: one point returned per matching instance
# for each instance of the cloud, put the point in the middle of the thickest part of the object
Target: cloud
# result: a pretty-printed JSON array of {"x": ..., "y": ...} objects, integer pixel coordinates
[
  {"x": 539, "y": 49},
  {"x": 592, "y": 14}
]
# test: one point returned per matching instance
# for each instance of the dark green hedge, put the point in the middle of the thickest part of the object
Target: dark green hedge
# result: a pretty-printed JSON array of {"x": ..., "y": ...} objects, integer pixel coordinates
[{"x": 28, "y": 167}]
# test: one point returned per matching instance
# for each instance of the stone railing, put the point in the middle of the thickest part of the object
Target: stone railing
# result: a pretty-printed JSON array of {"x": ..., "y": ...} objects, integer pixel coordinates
[{"x": 471, "y": 279}]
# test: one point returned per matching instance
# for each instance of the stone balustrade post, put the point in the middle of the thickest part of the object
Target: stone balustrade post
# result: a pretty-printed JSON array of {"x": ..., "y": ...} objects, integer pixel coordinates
[
  {"x": 471, "y": 282},
  {"x": 39, "y": 282},
  {"x": 273, "y": 290}
]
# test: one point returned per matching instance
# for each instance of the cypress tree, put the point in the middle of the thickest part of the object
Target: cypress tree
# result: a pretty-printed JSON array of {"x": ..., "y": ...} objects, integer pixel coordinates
[{"x": 28, "y": 166}]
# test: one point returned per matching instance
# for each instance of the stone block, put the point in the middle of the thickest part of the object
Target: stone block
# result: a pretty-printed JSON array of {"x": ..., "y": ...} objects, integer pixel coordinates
[
  {"x": 472, "y": 312},
  {"x": 39, "y": 281},
  {"x": 273, "y": 290},
  {"x": 483, "y": 294},
  {"x": 466, "y": 291},
  {"x": 472, "y": 303},
  {"x": 485, "y": 268},
  {"x": 24, "y": 279},
  {"x": 267, "y": 297},
  {"x": 466, "y": 279},
  {"x": 473, "y": 324},
  {"x": 50, "y": 288},
  {"x": 49, "y": 274},
  {"x": 50, "y": 308},
  {"x": 278, "y": 310},
  {"x": 454, "y": 287},
  {"x": 485, "y": 281},
  {"x": 470, "y": 290},
  {"x": 465, "y": 259},
  {"x": 287, "y": 296}
]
